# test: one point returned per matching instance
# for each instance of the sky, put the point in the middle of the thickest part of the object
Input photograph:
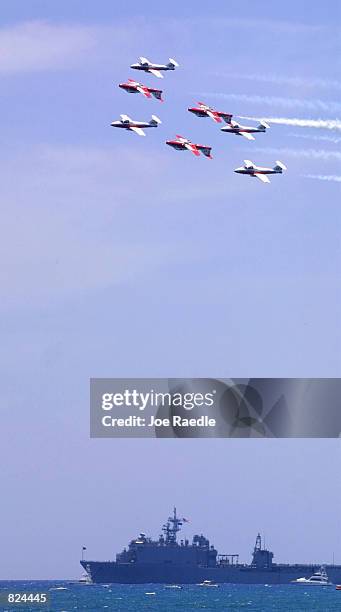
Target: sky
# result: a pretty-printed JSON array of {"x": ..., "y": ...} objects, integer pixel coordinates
[{"x": 124, "y": 258}]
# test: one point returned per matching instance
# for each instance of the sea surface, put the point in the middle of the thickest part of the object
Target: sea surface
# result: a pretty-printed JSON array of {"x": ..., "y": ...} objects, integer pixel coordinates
[{"x": 66, "y": 597}]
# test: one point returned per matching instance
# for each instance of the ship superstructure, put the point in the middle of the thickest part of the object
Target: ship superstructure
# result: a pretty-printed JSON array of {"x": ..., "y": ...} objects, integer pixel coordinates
[{"x": 167, "y": 550}]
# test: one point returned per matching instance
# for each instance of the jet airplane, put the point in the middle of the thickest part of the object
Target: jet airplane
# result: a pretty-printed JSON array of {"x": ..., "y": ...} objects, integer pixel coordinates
[
  {"x": 261, "y": 173},
  {"x": 134, "y": 87},
  {"x": 136, "y": 126},
  {"x": 155, "y": 69},
  {"x": 245, "y": 130},
  {"x": 181, "y": 144},
  {"x": 202, "y": 110}
]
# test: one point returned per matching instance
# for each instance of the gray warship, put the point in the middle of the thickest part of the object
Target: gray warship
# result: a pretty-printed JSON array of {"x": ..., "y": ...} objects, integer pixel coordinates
[{"x": 167, "y": 561}]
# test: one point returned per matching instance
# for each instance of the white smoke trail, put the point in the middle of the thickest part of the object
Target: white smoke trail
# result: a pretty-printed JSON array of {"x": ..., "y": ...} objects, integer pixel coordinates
[
  {"x": 284, "y": 80},
  {"x": 333, "y": 139},
  {"x": 324, "y": 177},
  {"x": 276, "y": 101},
  {"x": 327, "y": 124},
  {"x": 308, "y": 153}
]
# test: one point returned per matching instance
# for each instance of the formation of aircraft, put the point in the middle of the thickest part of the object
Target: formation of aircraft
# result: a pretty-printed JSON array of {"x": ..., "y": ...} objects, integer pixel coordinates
[
  {"x": 181, "y": 144},
  {"x": 134, "y": 87},
  {"x": 245, "y": 130},
  {"x": 202, "y": 110},
  {"x": 136, "y": 126},
  {"x": 259, "y": 172},
  {"x": 155, "y": 69}
]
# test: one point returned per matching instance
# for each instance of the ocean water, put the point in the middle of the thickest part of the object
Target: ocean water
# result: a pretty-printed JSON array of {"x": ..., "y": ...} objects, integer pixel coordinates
[{"x": 65, "y": 597}]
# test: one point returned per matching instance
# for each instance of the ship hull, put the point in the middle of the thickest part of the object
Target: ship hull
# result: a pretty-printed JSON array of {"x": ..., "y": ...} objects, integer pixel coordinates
[{"x": 128, "y": 573}]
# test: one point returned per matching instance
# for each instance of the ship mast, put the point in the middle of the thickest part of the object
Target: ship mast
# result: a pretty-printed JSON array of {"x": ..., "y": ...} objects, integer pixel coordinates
[
  {"x": 172, "y": 527},
  {"x": 258, "y": 545}
]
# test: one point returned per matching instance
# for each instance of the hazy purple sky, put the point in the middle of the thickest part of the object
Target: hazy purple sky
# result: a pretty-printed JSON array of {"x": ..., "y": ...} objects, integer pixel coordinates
[{"x": 122, "y": 257}]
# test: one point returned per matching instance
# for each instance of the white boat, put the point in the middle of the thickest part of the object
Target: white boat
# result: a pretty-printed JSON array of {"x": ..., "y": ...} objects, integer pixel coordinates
[
  {"x": 319, "y": 578},
  {"x": 208, "y": 583},
  {"x": 173, "y": 586},
  {"x": 61, "y": 588},
  {"x": 85, "y": 579}
]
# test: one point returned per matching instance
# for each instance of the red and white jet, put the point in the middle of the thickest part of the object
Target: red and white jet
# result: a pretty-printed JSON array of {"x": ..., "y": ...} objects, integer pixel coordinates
[
  {"x": 181, "y": 144},
  {"x": 258, "y": 171},
  {"x": 136, "y": 126},
  {"x": 134, "y": 87},
  {"x": 202, "y": 110},
  {"x": 245, "y": 130},
  {"x": 155, "y": 69}
]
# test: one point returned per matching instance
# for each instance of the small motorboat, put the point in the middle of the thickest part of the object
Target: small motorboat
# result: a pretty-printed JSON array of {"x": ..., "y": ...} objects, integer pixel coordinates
[
  {"x": 85, "y": 579},
  {"x": 208, "y": 583},
  {"x": 319, "y": 578},
  {"x": 60, "y": 588},
  {"x": 338, "y": 587}
]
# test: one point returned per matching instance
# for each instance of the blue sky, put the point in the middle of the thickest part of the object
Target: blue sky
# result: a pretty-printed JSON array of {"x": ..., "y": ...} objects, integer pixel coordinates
[{"x": 122, "y": 257}]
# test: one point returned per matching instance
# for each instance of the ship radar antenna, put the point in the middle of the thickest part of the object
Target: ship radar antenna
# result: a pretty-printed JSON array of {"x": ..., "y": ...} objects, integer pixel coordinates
[{"x": 172, "y": 527}]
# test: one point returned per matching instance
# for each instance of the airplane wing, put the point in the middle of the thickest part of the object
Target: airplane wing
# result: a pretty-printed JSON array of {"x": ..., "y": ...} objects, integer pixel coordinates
[
  {"x": 262, "y": 177},
  {"x": 144, "y": 91},
  {"x": 156, "y": 73},
  {"x": 214, "y": 116},
  {"x": 125, "y": 118},
  {"x": 191, "y": 147},
  {"x": 137, "y": 131},
  {"x": 144, "y": 60},
  {"x": 182, "y": 138},
  {"x": 246, "y": 135}
]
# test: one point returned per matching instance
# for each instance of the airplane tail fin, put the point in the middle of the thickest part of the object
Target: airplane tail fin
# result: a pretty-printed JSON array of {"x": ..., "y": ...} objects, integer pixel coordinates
[
  {"x": 227, "y": 117},
  {"x": 157, "y": 93},
  {"x": 263, "y": 126},
  {"x": 279, "y": 167},
  {"x": 172, "y": 64},
  {"x": 155, "y": 121},
  {"x": 206, "y": 151}
]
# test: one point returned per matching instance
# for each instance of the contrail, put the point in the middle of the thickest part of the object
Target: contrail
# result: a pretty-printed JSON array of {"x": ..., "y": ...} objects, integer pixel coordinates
[
  {"x": 324, "y": 177},
  {"x": 309, "y": 153},
  {"x": 275, "y": 101},
  {"x": 327, "y": 124},
  {"x": 333, "y": 139},
  {"x": 284, "y": 80}
]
